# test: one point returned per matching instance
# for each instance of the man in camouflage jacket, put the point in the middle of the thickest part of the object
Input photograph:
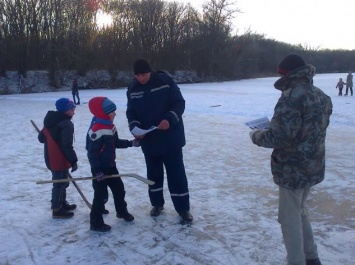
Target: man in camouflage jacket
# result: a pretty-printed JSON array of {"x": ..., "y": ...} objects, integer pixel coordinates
[
  {"x": 297, "y": 133},
  {"x": 349, "y": 84}
]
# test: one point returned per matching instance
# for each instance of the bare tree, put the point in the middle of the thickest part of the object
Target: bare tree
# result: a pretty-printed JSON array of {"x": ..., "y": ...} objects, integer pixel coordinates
[
  {"x": 146, "y": 22},
  {"x": 60, "y": 35},
  {"x": 171, "y": 39},
  {"x": 215, "y": 32}
]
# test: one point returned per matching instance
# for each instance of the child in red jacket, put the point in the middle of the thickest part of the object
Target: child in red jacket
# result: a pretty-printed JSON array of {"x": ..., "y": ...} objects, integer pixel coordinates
[{"x": 101, "y": 143}]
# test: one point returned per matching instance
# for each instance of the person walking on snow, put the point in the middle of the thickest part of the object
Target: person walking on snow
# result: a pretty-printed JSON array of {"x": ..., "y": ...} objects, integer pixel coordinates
[
  {"x": 155, "y": 100},
  {"x": 57, "y": 136},
  {"x": 340, "y": 86},
  {"x": 349, "y": 84},
  {"x": 101, "y": 144},
  {"x": 297, "y": 135},
  {"x": 75, "y": 92}
]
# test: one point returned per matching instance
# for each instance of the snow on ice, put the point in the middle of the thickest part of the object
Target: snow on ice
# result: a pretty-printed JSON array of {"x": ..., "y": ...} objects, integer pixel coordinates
[{"x": 233, "y": 198}]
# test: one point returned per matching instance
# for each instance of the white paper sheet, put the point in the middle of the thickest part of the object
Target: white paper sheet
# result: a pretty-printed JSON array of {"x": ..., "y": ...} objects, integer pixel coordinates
[
  {"x": 139, "y": 132},
  {"x": 262, "y": 123}
]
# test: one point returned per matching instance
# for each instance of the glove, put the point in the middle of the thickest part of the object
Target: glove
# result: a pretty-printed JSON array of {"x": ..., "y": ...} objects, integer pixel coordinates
[
  {"x": 74, "y": 167},
  {"x": 135, "y": 143},
  {"x": 251, "y": 133},
  {"x": 99, "y": 176}
]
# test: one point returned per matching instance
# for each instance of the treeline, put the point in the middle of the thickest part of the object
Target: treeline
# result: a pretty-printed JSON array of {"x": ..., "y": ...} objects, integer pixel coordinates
[{"x": 61, "y": 35}]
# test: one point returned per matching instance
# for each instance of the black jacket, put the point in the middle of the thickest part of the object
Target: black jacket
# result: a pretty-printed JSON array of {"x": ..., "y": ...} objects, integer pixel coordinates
[
  {"x": 61, "y": 130},
  {"x": 151, "y": 103}
]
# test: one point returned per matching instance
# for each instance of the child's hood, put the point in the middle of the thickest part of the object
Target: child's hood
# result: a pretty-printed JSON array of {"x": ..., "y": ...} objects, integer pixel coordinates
[
  {"x": 95, "y": 106},
  {"x": 52, "y": 118}
]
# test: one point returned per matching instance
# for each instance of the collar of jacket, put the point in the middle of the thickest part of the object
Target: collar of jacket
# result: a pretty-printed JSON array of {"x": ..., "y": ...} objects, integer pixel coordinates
[{"x": 305, "y": 73}]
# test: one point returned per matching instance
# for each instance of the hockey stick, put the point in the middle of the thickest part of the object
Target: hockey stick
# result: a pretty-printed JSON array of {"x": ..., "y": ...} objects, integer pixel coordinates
[
  {"x": 80, "y": 192},
  {"x": 69, "y": 175},
  {"x": 35, "y": 126},
  {"x": 149, "y": 182}
]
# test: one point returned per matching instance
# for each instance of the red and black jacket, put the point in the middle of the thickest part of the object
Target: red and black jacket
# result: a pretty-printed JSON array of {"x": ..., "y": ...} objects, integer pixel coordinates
[
  {"x": 102, "y": 140},
  {"x": 57, "y": 136}
]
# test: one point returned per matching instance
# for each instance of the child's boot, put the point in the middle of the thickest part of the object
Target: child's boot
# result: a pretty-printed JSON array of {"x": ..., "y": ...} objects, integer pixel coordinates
[
  {"x": 60, "y": 213},
  {"x": 125, "y": 215}
]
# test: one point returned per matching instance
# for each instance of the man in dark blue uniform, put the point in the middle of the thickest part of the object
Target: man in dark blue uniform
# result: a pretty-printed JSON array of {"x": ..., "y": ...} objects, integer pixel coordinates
[{"x": 154, "y": 99}]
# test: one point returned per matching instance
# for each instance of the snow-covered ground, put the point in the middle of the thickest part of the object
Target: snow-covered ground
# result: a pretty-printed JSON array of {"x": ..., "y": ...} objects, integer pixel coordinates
[{"x": 233, "y": 198}]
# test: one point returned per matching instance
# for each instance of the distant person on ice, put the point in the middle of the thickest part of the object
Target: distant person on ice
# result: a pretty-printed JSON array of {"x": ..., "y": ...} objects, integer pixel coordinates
[
  {"x": 297, "y": 135},
  {"x": 57, "y": 136},
  {"x": 349, "y": 84},
  {"x": 155, "y": 100},
  {"x": 101, "y": 144},
  {"x": 75, "y": 92},
  {"x": 340, "y": 86}
]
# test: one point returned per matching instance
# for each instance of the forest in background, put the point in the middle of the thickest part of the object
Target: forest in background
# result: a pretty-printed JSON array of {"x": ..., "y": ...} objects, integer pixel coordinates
[{"x": 63, "y": 35}]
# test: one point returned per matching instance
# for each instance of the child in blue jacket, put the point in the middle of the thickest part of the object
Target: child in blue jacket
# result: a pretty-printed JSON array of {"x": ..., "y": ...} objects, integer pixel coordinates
[{"x": 101, "y": 143}]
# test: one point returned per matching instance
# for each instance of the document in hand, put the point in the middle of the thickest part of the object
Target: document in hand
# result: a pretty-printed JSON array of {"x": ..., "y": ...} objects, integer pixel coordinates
[
  {"x": 139, "y": 132},
  {"x": 262, "y": 123}
]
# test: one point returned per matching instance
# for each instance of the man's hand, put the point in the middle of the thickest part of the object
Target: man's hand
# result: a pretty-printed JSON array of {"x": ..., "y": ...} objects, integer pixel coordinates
[
  {"x": 163, "y": 125},
  {"x": 251, "y": 133}
]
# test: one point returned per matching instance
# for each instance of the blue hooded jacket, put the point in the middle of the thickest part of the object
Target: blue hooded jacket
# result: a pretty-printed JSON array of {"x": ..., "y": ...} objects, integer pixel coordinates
[{"x": 102, "y": 139}]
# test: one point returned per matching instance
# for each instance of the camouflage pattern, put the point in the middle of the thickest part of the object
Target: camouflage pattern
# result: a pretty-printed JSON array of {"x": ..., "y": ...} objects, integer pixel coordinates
[
  {"x": 297, "y": 131},
  {"x": 349, "y": 80}
]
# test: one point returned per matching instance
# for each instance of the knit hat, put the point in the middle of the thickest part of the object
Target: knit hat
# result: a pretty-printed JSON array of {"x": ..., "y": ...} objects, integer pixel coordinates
[
  {"x": 64, "y": 104},
  {"x": 141, "y": 66},
  {"x": 290, "y": 63},
  {"x": 108, "y": 106}
]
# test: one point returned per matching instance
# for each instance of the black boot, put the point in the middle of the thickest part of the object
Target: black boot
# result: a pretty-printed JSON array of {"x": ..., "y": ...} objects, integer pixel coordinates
[
  {"x": 105, "y": 211},
  {"x": 125, "y": 215},
  {"x": 100, "y": 228},
  {"x": 60, "y": 213},
  {"x": 313, "y": 262},
  {"x": 69, "y": 207}
]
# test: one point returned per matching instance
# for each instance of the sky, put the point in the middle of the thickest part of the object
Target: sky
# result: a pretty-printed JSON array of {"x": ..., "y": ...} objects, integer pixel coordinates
[
  {"x": 323, "y": 24},
  {"x": 233, "y": 198}
]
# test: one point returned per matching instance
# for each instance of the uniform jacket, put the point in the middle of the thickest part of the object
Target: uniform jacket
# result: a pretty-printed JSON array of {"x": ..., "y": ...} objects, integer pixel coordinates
[
  {"x": 297, "y": 131},
  {"x": 57, "y": 136},
  {"x": 102, "y": 140},
  {"x": 151, "y": 103}
]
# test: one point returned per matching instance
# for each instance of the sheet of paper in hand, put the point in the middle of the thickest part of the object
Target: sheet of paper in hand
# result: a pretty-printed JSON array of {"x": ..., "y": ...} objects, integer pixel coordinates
[
  {"x": 138, "y": 131},
  {"x": 262, "y": 123}
]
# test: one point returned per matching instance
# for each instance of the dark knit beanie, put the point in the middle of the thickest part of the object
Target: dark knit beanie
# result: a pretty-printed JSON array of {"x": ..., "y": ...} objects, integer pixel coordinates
[
  {"x": 141, "y": 66},
  {"x": 290, "y": 63},
  {"x": 64, "y": 104},
  {"x": 108, "y": 106}
]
